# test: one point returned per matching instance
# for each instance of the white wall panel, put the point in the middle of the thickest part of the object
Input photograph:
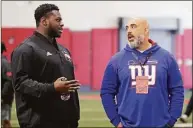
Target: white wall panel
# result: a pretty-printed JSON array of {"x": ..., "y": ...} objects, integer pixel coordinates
[{"x": 84, "y": 15}]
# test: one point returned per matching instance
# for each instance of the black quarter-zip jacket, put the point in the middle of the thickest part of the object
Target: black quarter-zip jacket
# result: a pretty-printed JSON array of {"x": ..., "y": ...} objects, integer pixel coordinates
[{"x": 36, "y": 64}]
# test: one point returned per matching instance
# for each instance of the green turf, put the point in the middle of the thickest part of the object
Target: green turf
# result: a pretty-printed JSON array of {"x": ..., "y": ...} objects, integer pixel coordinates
[{"x": 92, "y": 114}]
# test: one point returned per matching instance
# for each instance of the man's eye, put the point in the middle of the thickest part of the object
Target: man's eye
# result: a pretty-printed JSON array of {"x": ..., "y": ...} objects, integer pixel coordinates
[
  {"x": 58, "y": 20},
  {"x": 133, "y": 26}
]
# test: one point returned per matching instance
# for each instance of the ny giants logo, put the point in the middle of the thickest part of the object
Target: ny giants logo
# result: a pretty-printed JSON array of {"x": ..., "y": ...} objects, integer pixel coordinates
[{"x": 149, "y": 70}]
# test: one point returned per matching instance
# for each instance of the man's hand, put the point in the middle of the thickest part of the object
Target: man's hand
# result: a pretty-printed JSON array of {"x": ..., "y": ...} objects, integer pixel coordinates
[
  {"x": 120, "y": 125},
  {"x": 64, "y": 86}
]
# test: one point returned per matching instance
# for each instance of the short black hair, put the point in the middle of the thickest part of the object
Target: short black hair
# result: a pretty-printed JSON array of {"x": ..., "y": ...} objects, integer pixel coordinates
[
  {"x": 43, "y": 10},
  {"x": 3, "y": 47}
]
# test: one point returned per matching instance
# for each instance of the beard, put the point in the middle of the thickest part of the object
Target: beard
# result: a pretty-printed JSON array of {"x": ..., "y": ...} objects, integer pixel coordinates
[
  {"x": 53, "y": 32},
  {"x": 136, "y": 42}
]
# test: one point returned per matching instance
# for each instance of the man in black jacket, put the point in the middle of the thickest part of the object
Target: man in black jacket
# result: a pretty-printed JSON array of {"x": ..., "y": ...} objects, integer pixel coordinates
[
  {"x": 6, "y": 90},
  {"x": 43, "y": 76}
]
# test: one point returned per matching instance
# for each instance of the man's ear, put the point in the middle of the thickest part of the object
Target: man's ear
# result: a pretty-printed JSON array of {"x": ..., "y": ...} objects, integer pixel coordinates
[
  {"x": 44, "y": 21},
  {"x": 146, "y": 30}
]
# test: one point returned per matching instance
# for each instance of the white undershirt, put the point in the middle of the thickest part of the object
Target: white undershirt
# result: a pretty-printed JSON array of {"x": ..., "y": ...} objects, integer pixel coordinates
[{"x": 146, "y": 49}]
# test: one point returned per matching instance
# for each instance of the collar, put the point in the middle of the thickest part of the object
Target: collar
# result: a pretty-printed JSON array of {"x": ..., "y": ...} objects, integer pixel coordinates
[
  {"x": 44, "y": 38},
  {"x": 151, "y": 41}
]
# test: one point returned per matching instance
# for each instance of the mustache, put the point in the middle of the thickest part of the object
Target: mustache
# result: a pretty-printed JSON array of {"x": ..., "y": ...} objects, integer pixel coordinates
[{"x": 130, "y": 35}]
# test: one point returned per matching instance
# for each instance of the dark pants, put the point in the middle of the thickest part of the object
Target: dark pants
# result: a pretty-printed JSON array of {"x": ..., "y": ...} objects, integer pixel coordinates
[{"x": 189, "y": 107}]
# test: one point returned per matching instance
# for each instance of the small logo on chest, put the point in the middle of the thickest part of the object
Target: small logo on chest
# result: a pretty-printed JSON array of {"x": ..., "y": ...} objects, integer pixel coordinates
[
  {"x": 48, "y": 54},
  {"x": 67, "y": 56}
]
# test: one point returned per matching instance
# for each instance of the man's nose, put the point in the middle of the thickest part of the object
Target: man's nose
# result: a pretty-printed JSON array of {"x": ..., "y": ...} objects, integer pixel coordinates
[
  {"x": 129, "y": 32},
  {"x": 62, "y": 24}
]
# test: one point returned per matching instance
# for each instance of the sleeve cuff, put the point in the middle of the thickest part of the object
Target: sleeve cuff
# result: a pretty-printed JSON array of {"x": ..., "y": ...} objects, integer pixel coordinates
[
  {"x": 116, "y": 121},
  {"x": 50, "y": 88}
]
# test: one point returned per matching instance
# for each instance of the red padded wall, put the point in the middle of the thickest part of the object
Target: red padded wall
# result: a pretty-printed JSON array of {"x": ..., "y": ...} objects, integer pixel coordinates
[
  {"x": 184, "y": 53},
  {"x": 19, "y": 34},
  {"x": 14, "y": 36},
  {"x": 90, "y": 51},
  {"x": 104, "y": 45},
  {"x": 187, "y": 58},
  {"x": 114, "y": 41},
  {"x": 81, "y": 56},
  {"x": 179, "y": 53},
  {"x": 65, "y": 39}
]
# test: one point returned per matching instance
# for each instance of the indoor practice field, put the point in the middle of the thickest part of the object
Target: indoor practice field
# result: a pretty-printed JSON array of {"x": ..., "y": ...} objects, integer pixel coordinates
[
  {"x": 93, "y": 115},
  {"x": 139, "y": 49}
]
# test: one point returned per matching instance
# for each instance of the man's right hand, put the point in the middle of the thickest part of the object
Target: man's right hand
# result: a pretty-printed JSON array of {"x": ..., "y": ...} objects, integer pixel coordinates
[
  {"x": 120, "y": 125},
  {"x": 64, "y": 86}
]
